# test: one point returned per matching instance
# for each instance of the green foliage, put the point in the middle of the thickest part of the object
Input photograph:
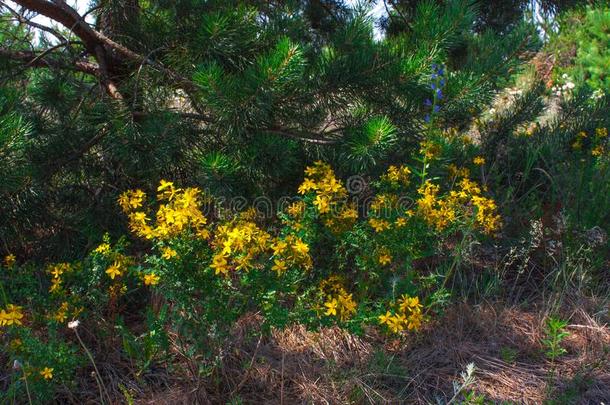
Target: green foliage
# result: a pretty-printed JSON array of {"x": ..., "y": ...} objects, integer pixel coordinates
[
  {"x": 555, "y": 331},
  {"x": 582, "y": 46},
  {"x": 428, "y": 178}
]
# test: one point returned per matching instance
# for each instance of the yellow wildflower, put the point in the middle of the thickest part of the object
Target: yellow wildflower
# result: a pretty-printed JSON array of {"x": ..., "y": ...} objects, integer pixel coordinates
[
  {"x": 384, "y": 259},
  {"x": 11, "y": 316},
  {"x": 300, "y": 247},
  {"x": 114, "y": 270},
  {"x": 385, "y": 319},
  {"x": 219, "y": 264},
  {"x": 479, "y": 161},
  {"x": 322, "y": 204},
  {"x": 151, "y": 279},
  {"x": 168, "y": 253},
  {"x": 331, "y": 307},
  {"x": 10, "y": 260},
  {"x": 47, "y": 373},
  {"x": 379, "y": 225},
  {"x": 103, "y": 249},
  {"x": 598, "y": 150},
  {"x": 307, "y": 185},
  {"x": 279, "y": 266}
]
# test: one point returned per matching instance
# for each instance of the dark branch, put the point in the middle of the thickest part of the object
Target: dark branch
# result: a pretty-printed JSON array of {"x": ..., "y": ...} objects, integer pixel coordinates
[{"x": 32, "y": 59}]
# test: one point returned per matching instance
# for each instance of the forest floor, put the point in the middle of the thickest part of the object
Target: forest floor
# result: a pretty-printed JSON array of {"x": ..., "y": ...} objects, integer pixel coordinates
[{"x": 331, "y": 366}]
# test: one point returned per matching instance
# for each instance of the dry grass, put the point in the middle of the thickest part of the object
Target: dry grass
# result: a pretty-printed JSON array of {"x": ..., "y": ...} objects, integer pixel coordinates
[{"x": 334, "y": 367}]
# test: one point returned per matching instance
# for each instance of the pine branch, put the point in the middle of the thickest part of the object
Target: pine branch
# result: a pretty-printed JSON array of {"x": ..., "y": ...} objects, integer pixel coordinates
[{"x": 38, "y": 60}]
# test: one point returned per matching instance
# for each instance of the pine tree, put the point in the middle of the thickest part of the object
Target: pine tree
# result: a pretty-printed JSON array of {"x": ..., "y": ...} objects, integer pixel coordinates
[{"x": 233, "y": 96}]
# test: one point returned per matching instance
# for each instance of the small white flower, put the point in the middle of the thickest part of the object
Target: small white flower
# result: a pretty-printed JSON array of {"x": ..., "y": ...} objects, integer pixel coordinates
[
  {"x": 73, "y": 324},
  {"x": 564, "y": 76},
  {"x": 570, "y": 85},
  {"x": 492, "y": 111},
  {"x": 16, "y": 365},
  {"x": 597, "y": 94}
]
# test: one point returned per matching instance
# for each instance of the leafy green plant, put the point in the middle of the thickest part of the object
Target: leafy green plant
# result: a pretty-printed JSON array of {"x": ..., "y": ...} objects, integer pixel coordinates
[{"x": 556, "y": 333}]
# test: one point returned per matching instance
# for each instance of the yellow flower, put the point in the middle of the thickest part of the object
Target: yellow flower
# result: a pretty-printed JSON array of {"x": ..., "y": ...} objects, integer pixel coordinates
[
  {"x": 415, "y": 320},
  {"x": 379, "y": 225},
  {"x": 61, "y": 314},
  {"x": 479, "y": 161},
  {"x": 385, "y": 319},
  {"x": 219, "y": 264},
  {"x": 168, "y": 253},
  {"x": 307, "y": 185},
  {"x": 11, "y": 316},
  {"x": 296, "y": 209},
  {"x": 151, "y": 279},
  {"x": 114, "y": 270},
  {"x": 10, "y": 260},
  {"x": 331, "y": 307},
  {"x": 407, "y": 303},
  {"x": 400, "y": 222},
  {"x": 47, "y": 373},
  {"x": 601, "y": 132},
  {"x": 163, "y": 185},
  {"x": 348, "y": 305},
  {"x": 279, "y": 266},
  {"x": 55, "y": 285},
  {"x": 300, "y": 247},
  {"x": 384, "y": 259},
  {"x": 597, "y": 151},
  {"x": 103, "y": 249},
  {"x": 322, "y": 204},
  {"x": 396, "y": 323},
  {"x": 279, "y": 247}
]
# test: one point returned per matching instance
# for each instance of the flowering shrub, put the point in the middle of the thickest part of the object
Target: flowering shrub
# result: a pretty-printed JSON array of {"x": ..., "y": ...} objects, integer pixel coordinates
[{"x": 331, "y": 257}]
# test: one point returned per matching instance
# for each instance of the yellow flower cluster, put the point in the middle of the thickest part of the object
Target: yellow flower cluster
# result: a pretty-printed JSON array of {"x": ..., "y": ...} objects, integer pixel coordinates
[
  {"x": 430, "y": 149},
  {"x": 457, "y": 172},
  {"x": 406, "y": 316},
  {"x": 379, "y": 225},
  {"x": 381, "y": 207},
  {"x": 56, "y": 271},
  {"x": 442, "y": 211},
  {"x": 479, "y": 160},
  {"x": 338, "y": 302},
  {"x": 397, "y": 175},
  {"x": 238, "y": 246},
  {"x": 168, "y": 253},
  {"x": 103, "y": 249},
  {"x": 131, "y": 200},
  {"x": 384, "y": 257},
  {"x": 329, "y": 198},
  {"x": 9, "y": 260},
  {"x": 181, "y": 211},
  {"x": 290, "y": 252},
  {"x": 11, "y": 315},
  {"x": 62, "y": 313},
  {"x": 597, "y": 143}
]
